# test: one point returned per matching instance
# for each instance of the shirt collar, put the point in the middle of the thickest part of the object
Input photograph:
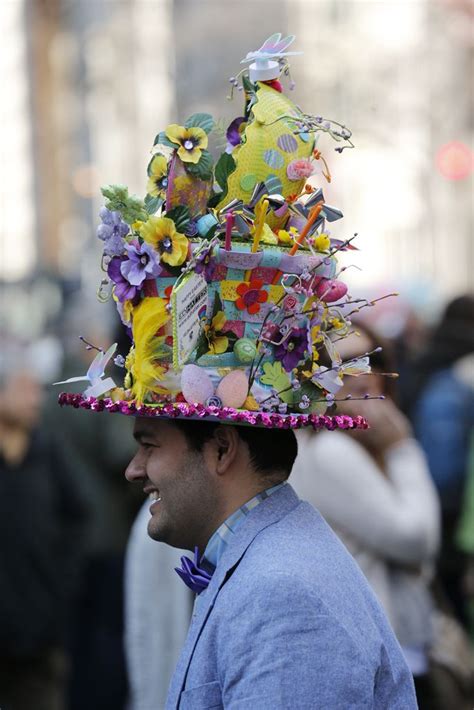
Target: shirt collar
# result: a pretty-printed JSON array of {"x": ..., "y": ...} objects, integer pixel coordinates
[{"x": 224, "y": 533}]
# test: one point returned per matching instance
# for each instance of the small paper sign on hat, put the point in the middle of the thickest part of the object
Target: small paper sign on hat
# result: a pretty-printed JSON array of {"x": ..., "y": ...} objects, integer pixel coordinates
[{"x": 189, "y": 306}]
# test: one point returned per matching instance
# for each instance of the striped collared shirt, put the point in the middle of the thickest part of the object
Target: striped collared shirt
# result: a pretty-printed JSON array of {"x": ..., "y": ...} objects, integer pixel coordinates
[{"x": 222, "y": 536}]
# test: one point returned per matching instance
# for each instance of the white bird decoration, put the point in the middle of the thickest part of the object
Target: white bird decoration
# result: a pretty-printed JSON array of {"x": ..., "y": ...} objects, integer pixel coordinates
[{"x": 94, "y": 375}]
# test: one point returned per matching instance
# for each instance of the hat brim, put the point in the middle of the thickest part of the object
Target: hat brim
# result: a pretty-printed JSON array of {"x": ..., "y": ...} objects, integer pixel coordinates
[{"x": 183, "y": 410}]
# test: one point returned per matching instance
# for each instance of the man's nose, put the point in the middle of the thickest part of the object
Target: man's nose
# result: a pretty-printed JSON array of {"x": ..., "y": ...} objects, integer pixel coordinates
[{"x": 135, "y": 470}]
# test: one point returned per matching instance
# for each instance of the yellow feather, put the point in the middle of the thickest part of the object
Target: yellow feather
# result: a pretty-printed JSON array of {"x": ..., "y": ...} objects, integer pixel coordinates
[{"x": 148, "y": 317}]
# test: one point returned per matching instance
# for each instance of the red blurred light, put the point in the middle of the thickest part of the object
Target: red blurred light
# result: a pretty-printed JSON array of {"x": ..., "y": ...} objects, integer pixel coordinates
[{"x": 455, "y": 160}]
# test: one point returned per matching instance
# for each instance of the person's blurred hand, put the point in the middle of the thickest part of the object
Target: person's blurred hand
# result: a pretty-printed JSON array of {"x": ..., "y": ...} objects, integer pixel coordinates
[{"x": 388, "y": 425}]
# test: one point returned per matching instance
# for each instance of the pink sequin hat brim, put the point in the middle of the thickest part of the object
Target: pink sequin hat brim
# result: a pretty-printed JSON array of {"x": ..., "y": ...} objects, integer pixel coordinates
[{"x": 182, "y": 410}]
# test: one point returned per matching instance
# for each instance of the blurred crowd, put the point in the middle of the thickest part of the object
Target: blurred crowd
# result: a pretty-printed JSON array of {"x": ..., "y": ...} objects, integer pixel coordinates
[{"x": 93, "y": 615}]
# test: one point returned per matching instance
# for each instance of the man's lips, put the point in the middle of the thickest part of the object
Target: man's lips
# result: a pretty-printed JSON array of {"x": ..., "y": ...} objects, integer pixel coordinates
[
  {"x": 150, "y": 490},
  {"x": 153, "y": 494}
]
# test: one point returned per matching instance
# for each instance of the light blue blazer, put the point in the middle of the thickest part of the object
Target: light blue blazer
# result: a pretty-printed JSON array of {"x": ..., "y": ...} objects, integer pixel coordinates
[{"x": 288, "y": 622}]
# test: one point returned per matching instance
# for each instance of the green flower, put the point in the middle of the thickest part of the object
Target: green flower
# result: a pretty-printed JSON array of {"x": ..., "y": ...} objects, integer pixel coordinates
[{"x": 131, "y": 208}]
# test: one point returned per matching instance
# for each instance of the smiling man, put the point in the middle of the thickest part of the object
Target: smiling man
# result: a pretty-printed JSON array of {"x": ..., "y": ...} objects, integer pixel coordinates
[
  {"x": 283, "y": 617},
  {"x": 228, "y": 283}
]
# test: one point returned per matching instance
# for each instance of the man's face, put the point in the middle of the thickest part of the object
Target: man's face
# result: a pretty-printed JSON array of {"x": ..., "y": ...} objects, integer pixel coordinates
[
  {"x": 177, "y": 479},
  {"x": 20, "y": 401}
]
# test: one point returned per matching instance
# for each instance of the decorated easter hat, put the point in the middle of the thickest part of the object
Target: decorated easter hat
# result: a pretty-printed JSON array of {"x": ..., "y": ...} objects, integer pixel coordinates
[{"x": 225, "y": 275}]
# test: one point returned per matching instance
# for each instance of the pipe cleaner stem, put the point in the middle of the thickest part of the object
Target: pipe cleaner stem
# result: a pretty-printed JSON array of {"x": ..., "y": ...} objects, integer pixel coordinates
[
  {"x": 313, "y": 216},
  {"x": 317, "y": 156}
]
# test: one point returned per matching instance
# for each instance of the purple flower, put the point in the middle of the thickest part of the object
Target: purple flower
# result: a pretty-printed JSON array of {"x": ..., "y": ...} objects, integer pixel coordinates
[
  {"x": 112, "y": 232},
  {"x": 205, "y": 262},
  {"x": 292, "y": 350},
  {"x": 233, "y": 134},
  {"x": 123, "y": 289},
  {"x": 142, "y": 263},
  {"x": 191, "y": 229}
]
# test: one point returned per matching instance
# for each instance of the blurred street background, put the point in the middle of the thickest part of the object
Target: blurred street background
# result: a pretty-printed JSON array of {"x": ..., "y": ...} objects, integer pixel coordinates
[{"x": 86, "y": 85}]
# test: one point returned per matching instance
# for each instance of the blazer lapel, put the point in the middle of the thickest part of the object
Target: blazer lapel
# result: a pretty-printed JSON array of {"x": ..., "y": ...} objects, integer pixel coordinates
[{"x": 270, "y": 511}]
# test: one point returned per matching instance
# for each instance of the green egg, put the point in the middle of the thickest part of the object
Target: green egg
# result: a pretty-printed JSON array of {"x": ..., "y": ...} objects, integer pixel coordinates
[{"x": 245, "y": 350}]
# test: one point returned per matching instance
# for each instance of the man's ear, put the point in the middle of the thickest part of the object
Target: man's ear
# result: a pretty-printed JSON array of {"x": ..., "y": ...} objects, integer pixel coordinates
[{"x": 225, "y": 445}]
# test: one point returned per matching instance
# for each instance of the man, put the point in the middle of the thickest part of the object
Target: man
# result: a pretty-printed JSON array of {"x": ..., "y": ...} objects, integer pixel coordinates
[
  {"x": 287, "y": 619},
  {"x": 230, "y": 319}
]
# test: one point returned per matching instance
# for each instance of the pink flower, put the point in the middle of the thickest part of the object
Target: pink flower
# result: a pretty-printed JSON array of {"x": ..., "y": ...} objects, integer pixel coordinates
[
  {"x": 300, "y": 169},
  {"x": 290, "y": 302}
]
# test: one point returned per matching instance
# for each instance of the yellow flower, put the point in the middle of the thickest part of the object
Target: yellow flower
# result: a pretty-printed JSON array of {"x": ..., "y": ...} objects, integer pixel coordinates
[
  {"x": 284, "y": 237},
  {"x": 316, "y": 338},
  {"x": 322, "y": 242},
  {"x": 161, "y": 233},
  {"x": 288, "y": 236},
  {"x": 125, "y": 310},
  {"x": 117, "y": 394},
  {"x": 127, "y": 307},
  {"x": 336, "y": 323},
  {"x": 191, "y": 141},
  {"x": 157, "y": 176},
  {"x": 251, "y": 404},
  {"x": 218, "y": 344}
]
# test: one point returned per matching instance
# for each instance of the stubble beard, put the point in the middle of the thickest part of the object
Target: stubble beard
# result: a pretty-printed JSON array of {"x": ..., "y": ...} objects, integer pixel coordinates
[{"x": 187, "y": 507}]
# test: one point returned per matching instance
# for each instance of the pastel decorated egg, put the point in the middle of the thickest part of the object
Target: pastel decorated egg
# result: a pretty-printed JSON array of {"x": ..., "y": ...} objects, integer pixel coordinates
[
  {"x": 245, "y": 350},
  {"x": 196, "y": 385},
  {"x": 233, "y": 389},
  {"x": 331, "y": 290}
]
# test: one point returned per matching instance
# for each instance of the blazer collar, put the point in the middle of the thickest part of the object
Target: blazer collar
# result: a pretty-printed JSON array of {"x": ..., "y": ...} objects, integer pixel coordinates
[{"x": 270, "y": 511}]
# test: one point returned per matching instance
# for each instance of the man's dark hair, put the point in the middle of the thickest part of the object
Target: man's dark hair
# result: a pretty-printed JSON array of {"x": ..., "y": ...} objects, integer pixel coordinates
[{"x": 272, "y": 451}]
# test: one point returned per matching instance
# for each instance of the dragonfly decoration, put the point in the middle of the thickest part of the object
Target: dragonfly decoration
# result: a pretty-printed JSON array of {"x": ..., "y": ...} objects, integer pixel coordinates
[{"x": 273, "y": 48}]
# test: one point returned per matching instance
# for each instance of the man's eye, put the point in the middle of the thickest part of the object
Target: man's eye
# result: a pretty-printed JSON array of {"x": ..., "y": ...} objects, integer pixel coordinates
[{"x": 149, "y": 445}]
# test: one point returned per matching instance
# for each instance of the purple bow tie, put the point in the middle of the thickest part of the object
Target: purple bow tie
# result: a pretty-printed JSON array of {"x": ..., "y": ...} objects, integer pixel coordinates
[{"x": 194, "y": 576}]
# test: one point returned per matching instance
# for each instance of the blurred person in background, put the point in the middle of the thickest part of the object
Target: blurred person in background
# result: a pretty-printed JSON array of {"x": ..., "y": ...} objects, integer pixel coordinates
[
  {"x": 465, "y": 536},
  {"x": 375, "y": 491},
  {"x": 443, "y": 419},
  {"x": 101, "y": 449},
  {"x": 158, "y": 611},
  {"x": 42, "y": 525}
]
